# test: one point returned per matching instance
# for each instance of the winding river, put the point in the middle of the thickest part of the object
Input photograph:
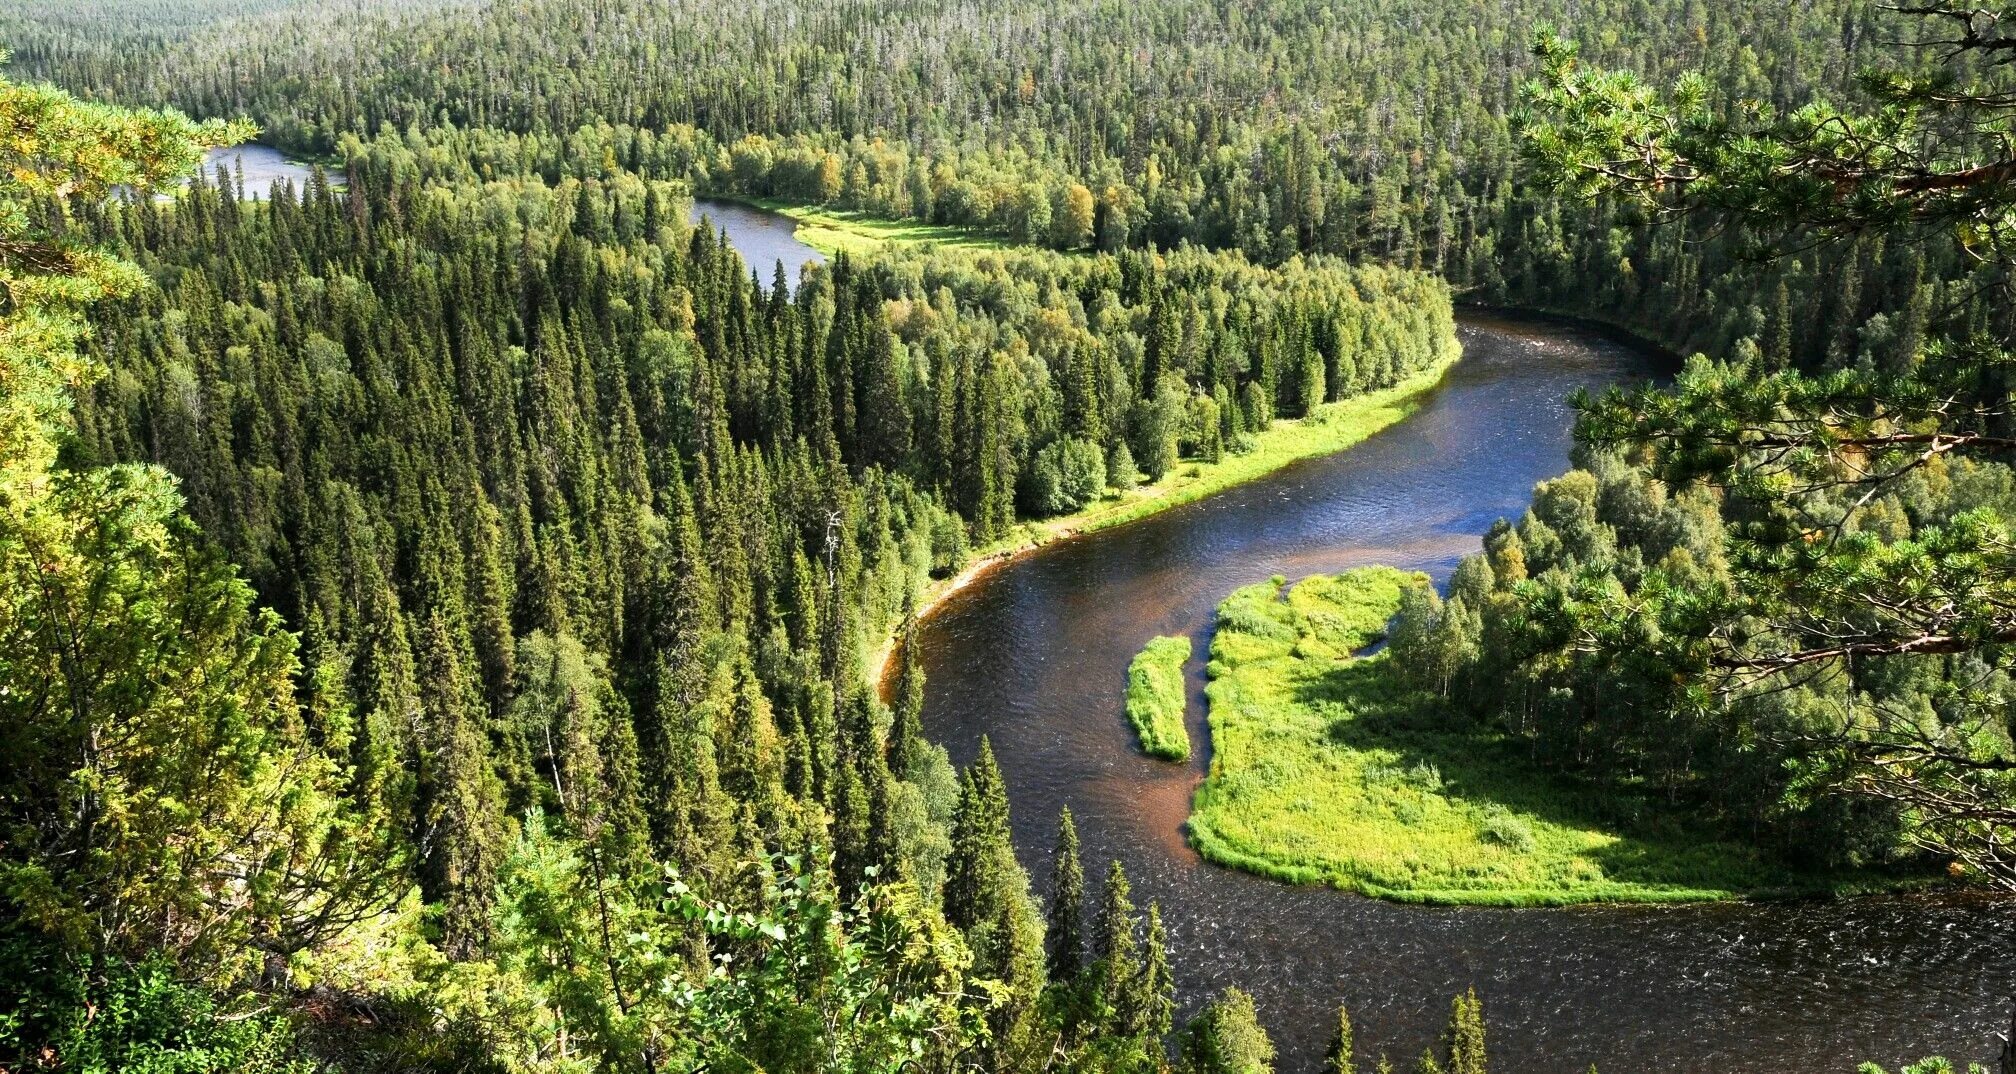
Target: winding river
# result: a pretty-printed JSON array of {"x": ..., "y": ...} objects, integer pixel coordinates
[{"x": 1034, "y": 654}]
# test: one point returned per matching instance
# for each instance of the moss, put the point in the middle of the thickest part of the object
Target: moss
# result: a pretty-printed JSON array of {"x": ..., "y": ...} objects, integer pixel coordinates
[
  {"x": 1325, "y": 770},
  {"x": 1155, "y": 698}
]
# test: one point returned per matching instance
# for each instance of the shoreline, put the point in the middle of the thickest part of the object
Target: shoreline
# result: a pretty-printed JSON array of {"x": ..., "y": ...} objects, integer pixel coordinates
[{"x": 1357, "y": 419}]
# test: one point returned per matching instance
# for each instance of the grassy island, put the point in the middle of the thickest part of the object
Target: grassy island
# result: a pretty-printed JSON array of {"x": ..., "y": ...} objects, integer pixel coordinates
[
  {"x": 1324, "y": 771},
  {"x": 1155, "y": 698}
]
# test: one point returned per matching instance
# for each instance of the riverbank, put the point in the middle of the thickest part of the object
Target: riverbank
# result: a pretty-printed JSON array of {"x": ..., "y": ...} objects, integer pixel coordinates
[
  {"x": 1326, "y": 770},
  {"x": 1334, "y": 427}
]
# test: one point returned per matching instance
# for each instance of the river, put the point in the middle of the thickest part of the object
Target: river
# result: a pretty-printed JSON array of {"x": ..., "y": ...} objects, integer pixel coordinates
[
  {"x": 262, "y": 166},
  {"x": 1034, "y": 654},
  {"x": 764, "y": 239}
]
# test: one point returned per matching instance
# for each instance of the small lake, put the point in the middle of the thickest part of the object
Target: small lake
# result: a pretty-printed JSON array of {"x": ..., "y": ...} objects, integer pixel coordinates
[{"x": 763, "y": 238}]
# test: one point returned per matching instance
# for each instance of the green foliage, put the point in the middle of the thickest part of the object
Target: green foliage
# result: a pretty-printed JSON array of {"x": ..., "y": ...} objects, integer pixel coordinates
[
  {"x": 167, "y": 794},
  {"x": 1850, "y": 592},
  {"x": 1226, "y": 1039},
  {"x": 1157, "y": 701},
  {"x": 1338, "y": 1058},
  {"x": 56, "y": 149},
  {"x": 1065, "y": 476},
  {"x": 1931, "y": 1065},
  {"x": 129, "y": 1018}
]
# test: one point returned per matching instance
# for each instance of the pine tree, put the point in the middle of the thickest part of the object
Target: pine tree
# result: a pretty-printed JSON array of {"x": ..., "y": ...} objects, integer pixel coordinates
[
  {"x": 1464, "y": 1039},
  {"x": 1067, "y": 897},
  {"x": 1337, "y": 1059}
]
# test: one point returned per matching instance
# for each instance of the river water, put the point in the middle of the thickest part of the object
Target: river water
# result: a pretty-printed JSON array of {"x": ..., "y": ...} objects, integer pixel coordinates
[
  {"x": 1034, "y": 654},
  {"x": 764, "y": 239},
  {"x": 262, "y": 166}
]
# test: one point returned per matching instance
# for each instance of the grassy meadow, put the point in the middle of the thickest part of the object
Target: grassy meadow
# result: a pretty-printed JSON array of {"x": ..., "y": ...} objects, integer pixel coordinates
[
  {"x": 1323, "y": 771},
  {"x": 1155, "y": 698}
]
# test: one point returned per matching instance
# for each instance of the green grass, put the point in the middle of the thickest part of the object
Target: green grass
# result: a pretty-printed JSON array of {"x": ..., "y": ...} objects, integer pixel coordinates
[
  {"x": 834, "y": 231},
  {"x": 1155, "y": 698},
  {"x": 1325, "y": 771}
]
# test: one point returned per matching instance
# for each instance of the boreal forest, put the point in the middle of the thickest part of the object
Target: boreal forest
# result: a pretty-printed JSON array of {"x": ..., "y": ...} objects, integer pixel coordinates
[{"x": 462, "y": 609}]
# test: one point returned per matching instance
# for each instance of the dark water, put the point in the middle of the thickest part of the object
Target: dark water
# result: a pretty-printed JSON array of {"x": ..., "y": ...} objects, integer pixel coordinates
[
  {"x": 1034, "y": 654},
  {"x": 263, "y": 166},
  {"x": 764, "y": 239}
]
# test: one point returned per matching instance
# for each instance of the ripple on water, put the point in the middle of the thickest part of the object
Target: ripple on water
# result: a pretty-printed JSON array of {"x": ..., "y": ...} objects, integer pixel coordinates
[{"x": 1034, "y": 654}]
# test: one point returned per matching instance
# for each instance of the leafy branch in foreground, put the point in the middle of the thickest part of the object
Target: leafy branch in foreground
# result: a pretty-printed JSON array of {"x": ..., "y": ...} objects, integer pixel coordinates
[{"x": 1825, "y": 583}]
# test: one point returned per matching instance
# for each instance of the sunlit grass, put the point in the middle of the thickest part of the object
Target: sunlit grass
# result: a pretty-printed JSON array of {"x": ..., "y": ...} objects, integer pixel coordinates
[
  {"x": 1156, "y": 700},
  {"x": 1334, "y": 427},
  {"x": 834, "y": 231},
  {"x": 1323, "y": 771}
]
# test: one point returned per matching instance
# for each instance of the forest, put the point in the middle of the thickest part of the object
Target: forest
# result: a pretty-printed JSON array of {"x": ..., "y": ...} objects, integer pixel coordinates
[{"x": 441, "y": 602}]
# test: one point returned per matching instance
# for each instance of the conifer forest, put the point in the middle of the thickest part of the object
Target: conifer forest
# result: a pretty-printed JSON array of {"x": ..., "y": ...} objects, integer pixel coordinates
[{"x": 984, "y": 537}]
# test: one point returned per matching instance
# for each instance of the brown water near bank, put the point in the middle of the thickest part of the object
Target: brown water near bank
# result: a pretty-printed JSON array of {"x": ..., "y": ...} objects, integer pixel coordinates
[{"x": 1033, "y": 653}]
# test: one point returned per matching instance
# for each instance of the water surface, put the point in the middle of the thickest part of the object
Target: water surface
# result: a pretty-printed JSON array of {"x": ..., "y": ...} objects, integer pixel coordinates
[
  {"x": 1034, "y": 654},
  {"x": 764, "y": 239},
  {"x": 261, "y": 166}
]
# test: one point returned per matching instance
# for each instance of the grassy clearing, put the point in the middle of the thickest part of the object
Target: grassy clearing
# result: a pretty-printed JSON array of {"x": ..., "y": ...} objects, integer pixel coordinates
[
  {"x": 1334, "y": 427},
  {"x": 1324, "y": 772},
  {"x": 834, "y": 231},
  {"x": 1156, "y": 701}
]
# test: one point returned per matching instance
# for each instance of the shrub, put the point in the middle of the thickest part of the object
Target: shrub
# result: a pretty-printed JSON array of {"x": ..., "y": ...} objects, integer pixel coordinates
[
  {"x": 1065, "y": 476},
  {"x": 1507, "y": 831}
]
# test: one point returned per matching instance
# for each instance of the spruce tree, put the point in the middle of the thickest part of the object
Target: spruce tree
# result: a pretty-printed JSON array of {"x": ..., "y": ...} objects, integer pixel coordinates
[
  {"x": 1464, "y": 1039},
  {"x": 1226, "y": 1038},
  {"x": 1155, "y": 988},
  {"x": 906, "y": 728},
  {"x": 1065, "y": 914},
  {"x": 977, "y": 876},
  {"x": 1337, "y": 1058},
  {"x": 463, "y": 824},
  {"x": 1114, "y": 950}
]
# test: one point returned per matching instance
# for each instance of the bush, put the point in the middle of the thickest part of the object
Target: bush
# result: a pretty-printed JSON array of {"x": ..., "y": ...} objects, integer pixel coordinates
[
  {"x": 1508, "y": 831},
  {"x": 1121, "y": 473},
  {"x": 129, "y": 1018},
  {"x": 1066, "y": 475}
]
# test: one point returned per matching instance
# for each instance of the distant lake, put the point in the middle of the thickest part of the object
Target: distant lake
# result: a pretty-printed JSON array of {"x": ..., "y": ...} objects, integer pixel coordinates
[{"x": 763, "y": 238}]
